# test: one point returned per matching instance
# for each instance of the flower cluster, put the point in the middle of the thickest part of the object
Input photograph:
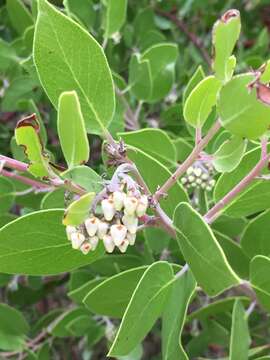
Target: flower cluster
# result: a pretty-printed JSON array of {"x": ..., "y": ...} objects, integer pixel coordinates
[
  {"x": 200, "y": 175},
  {"x": 115, "y": 222}
]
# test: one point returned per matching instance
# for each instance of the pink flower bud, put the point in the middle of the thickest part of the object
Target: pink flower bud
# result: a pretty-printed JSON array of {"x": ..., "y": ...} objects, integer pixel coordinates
[
  {"x": 70, "y": 230},
  {"x": 131, "y": 238},
  {"x": 108, "y": 209},
  {"x": 91, "y": 225},
  {"x": 131, "y": 223},
  {"x": 118, "y": 200},
  {"x": 118, "y": 233},
  {"x": 142, "y": 206},
  {"x": 130, "y": 203},
  {"x": 77, "y": 239},
  {"x": 108, "y": 243},
  {"x": 102, "y": 229},
  {"x": 85, "y": 248},
  {"x": 123, "y": 246},
  {"x": 93, "y": 242}
]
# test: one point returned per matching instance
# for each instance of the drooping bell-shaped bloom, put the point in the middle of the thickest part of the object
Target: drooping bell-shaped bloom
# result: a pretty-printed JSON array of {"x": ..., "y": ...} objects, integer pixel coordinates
[
  {"x": 77, "y": 239},
  {"x": 70, "y": 230},
  {"x": 131, "y": 223},
  {"x": 123, "y": 246},
  {"x": 130, "y": 203},
  {"x": 142, "y": 206},
  {"x": 118, "y": 199},
  {"x": 86, "y": 247},
  {"x": 118, "y": 233},
  {"x": 108, "y": 243},
  {"x": 108, "y": 209},
  {"x": 91, "y": 225},
  {"x": 131, "y": 238},
  {"x": 102, "y": 229}
]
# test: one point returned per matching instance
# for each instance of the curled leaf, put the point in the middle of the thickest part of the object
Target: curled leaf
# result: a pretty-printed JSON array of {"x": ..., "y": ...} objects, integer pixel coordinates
[{"x": 27, "y": 134}]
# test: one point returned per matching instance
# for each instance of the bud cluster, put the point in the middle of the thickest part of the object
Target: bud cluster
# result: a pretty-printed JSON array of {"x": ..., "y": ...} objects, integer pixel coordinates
[
  {"x": 200, "y": 175},
  {"x": 115, "y": 222}
]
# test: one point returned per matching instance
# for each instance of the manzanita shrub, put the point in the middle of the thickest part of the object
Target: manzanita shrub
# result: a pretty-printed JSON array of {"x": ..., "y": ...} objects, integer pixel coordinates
[{"x": 134, "y": 216}]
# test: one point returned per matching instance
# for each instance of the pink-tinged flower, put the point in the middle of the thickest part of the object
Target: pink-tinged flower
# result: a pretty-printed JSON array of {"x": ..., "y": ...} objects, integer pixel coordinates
[
  {"x": 85, "y": 248},
  {"x": 77, "y": 239},
  {"x": 123, "y": 246},
  {"x": 118, "y": 200},
  {"x": 118, "y": 233},
  {"x": 93, "y": 242},
  {"x": 70, "y": 230},
  {"x": 108, "y": 209},
  {"x": 91, "y": 225},
  {"x": 131, "y": 223},
  {"x": 142, "y": 206},
  {"x": 130, "y": 203},
  {"x": 102, "y": 229},
  {"x": 108, "y": 243},
  {"x": 131, "y": 238}
]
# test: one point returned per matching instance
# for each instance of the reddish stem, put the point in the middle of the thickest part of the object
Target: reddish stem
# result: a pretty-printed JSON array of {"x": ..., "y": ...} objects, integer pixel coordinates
[
  {"x": 33, "y": 183},
  {"x": 188, "y": 162},
  {"x": 14, "y": 164},
  {"x": 213, "y": 213}
]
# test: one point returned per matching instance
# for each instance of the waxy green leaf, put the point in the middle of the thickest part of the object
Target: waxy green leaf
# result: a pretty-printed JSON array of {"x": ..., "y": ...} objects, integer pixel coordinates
[
  {"x": 27, "y": 135},
  {"x": 229, "y": 154},
  {"x": 19, "y": 15},
  {"x": 259, "y": 278},
  {"x": 78, "y": 211},
  {"x": 71, "y": 130},
  {"x": 79, "y": 293},
  {"x": 7, "y": 194},
  {"x": 255, "y": 239},
  {"x": 202, "y": 251},
  {"x": 253, "y": 198},
  {"x": 13, "y": 329},
  {"x": 240, "y": 111},
  {"x": 148, "y": 166},
  {"x": 115, "y": 16},
  {"x": 144, "y": 308},
  {"x": 226, "y": 32},
  {"x": 201, "y": 101},
  {"x": 240, "y": 339},
  {"x": 63, "y": 48},
  {"x": 86, "y": 177},
  {"x": 174, "y": 316},
  {"x": 140, "y": 78},
  {"x": 111, "y": 297},
  {"x": 36, "y": 244},
  {"x": 154, "y": 142},
  {"x": 196, "y": 78}
]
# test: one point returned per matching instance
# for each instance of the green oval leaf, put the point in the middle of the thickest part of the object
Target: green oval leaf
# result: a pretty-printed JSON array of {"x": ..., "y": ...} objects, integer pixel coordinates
[
  {"x": 71, "y": 130},
  {"x": 112, "y": 296},
  {"x": 154, "y": 142},
  {"x": 38, "y": 245},
  {"x": 202, "y": 251},
  {"x": 78, "y": 211},
  {"x": 27, "y": 135},
  {"x": 225, "y": 34},
  {"x": 253, "y": 198},
  {"x": 115, "y": 16},
  {"x": 63, "y": 48},
  {"x": 174, "y": 317},
  {"x": 240, "y": 111},
  {"x": 229, "y": 154},
  {"x": 240, "y": 339},
  {"x": 144, "y": 308},
  {"x": 255, "y": 239},
  {"x": 201, "y": 101},
  {"x": 259, "y": 278}
]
